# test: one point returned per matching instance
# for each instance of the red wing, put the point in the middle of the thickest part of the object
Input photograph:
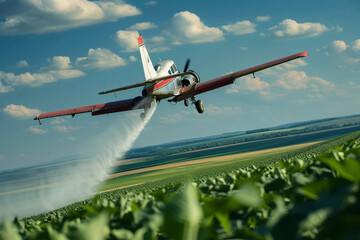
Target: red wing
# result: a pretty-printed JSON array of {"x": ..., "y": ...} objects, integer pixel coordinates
[
  {"x": 227, "y": 79},
  {"x": 98, "y": 109}
]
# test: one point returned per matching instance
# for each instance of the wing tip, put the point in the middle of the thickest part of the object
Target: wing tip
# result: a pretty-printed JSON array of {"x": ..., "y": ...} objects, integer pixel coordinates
[{"x": 304, "y": 54}]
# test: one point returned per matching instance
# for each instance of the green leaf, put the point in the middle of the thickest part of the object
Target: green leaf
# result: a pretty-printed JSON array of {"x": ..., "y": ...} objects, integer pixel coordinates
[
  {"x": 348, "y": 168},
  {"x": 96, "y": 229},
  {"x": 9, "y": 231},
  {"x": 248, "y": 195},
  {"x": 223, "y": 218},
  {"x": 183, "y": 214}
]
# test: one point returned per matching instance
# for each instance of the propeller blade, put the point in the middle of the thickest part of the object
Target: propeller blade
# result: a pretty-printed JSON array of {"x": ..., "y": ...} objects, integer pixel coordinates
[{"x": 187, "y": 64}]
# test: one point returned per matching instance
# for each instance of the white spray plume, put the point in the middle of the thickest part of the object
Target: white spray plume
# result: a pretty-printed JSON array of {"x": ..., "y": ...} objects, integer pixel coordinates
[{"x": 42, "y": 189}]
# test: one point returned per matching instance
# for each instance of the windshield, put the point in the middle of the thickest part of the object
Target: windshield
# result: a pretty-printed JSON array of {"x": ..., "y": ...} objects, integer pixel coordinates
[{"x": 157, "y": 67}]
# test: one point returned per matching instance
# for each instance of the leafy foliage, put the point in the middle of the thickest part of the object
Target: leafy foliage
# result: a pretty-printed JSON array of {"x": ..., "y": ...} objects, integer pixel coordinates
[{"x": 301, "y": 197}]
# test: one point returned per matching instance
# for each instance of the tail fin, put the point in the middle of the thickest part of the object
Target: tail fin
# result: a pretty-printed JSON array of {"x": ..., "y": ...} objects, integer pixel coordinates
[{"x": 149, "y": 70}]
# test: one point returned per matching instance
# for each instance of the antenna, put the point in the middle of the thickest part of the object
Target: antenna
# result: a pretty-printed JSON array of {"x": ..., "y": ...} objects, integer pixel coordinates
[{"x": 158, "y": 57}]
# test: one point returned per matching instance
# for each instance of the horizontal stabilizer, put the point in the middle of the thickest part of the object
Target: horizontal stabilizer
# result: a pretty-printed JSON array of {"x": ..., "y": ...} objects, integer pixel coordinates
[{"x": 144, "y": 83}]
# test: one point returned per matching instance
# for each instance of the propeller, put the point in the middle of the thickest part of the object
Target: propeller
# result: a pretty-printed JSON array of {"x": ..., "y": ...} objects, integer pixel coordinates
[{"x": 187, "y": 64}]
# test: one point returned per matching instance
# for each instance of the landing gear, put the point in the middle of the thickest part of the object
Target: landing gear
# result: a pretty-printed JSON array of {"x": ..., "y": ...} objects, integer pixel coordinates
[
  {"x": 199, "y": 106},
  {"x": 186, "y": 102}
]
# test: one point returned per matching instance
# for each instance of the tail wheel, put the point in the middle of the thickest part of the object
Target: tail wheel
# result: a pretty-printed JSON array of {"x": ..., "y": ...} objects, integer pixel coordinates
[
  {"x": 199, "y": 106},
  {"x": 186, "y": 102}
]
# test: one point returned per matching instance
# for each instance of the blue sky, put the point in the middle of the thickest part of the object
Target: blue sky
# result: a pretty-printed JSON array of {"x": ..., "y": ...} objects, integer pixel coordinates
[{"x": 60, "y": 54}]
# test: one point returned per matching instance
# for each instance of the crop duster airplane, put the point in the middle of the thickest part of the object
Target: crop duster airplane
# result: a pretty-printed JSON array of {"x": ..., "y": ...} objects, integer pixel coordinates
[{"x": 162, "y": 81}]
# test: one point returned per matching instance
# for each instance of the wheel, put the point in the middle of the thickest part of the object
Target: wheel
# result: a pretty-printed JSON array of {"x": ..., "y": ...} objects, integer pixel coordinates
[
  {"x": 142, "y": 116},
  {"x": 186, "y": 102},
  {"x": 199, "y": 106}
]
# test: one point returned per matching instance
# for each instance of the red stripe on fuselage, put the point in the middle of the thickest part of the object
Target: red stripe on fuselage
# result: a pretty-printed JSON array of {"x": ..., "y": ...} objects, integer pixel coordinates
[{"x": 158, "y": 85}]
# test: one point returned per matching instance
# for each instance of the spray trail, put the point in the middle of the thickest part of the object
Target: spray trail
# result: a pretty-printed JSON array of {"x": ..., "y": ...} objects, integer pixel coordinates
[{"x": 30, "y": 191}]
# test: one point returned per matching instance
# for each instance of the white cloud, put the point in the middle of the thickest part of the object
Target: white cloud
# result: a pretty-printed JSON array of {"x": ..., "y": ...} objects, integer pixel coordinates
[
  {"x": 65, "y": 129},
  {"x": 240, "y": 28},
  {"x": 295, "y": 80},
  {"x": 291, "y": 65},
  {"x": 142, "y": 26},
  {"x": 290, "y": 29},
  {"x": 247, "y": 84},
  {"x": 348, "y": 55},
  {"x": 5, "y": 89},
  {"x": 45, "y": 16},
  {"x": 151, "y": 3},
  {"x": 222, "y": 110},
  {"x": 339, "y": 46},
  {"x": 132, "y": 58},
  {"x": 22, "y": 63},
  {"x": 263, "y": 18},
  {"x": 157, "y": 39},
  {"x": 186, "y": 27},
  {"x": 59, "y": 62},
  {"x": 100, "y": 58},
  {"x": 356, "y": 45},
  {"x": 57, "y": 121},
  {"x": 38, "y": 79},
  {"x": 127, "y": 40},
  {"x": 20, "y": 111},
  {"x": 37, "y": 130}
]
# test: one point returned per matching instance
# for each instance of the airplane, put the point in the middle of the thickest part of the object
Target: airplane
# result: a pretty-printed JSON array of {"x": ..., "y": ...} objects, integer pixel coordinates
[{"x": 162, "y": 81}]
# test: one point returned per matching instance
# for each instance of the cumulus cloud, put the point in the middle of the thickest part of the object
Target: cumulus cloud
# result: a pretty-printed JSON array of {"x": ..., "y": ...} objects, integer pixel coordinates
[
  {"x": 290, "y": 29},
  {"x": 263, "y": 18},
  {"x": 240, "y": 27},
  {"x": 20, "y": 111},
  {"x": 59, "y": 62},
  {"x": 22, "y": 63},
  {"x": 127, "y": 40},
  {"x": 247, "y": 84},
  {"x": 292, "y": 65},
  {"x": 57, "y": 121},
  {"x": 295, "y": 80},
  {"x": 142, "y": 26},
  {"x": 37, "y": 130},
  {"x": 100, "y": 58},
  {"x": 65, "y": 129},
  {"x": 222, "y": 110},
  {"x": 186, "y": 27},
  {"x": 45, "y": 16},
  {"x": 348, "y": 55},
  {"x": 38, "y": 79},
  {"x": 5, "y": 89}
]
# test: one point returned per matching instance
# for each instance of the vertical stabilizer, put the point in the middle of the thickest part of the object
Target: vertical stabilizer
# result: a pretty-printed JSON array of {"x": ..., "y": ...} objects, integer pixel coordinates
[{"x": 149, "y": 70}]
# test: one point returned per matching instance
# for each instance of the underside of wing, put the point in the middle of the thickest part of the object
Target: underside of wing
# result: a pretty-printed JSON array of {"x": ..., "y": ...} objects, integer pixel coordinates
[
  {"x": 227, "y": 79},
  {"x": 98, "y": 109}
]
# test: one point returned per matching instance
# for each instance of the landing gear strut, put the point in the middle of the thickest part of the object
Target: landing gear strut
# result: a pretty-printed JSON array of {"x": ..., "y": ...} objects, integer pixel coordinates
[{"x": 198, "y": 105}]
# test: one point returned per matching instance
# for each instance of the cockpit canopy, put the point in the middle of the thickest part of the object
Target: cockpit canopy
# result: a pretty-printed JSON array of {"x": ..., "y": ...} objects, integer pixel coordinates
[{"x": 166, "y": 67}]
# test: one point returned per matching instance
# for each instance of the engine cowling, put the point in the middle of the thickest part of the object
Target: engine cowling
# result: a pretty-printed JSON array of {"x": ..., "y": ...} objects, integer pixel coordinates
[{"x": 190, "y": 79}]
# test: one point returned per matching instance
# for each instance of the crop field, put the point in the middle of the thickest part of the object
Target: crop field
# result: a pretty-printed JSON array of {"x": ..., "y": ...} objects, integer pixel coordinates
[{"x": 307, "y": 193}]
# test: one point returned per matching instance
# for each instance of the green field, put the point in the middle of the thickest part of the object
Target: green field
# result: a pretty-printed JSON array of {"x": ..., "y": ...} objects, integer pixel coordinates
[
  {"x": 263, "y": 185},
  {"x": 307, "y": 193}
]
